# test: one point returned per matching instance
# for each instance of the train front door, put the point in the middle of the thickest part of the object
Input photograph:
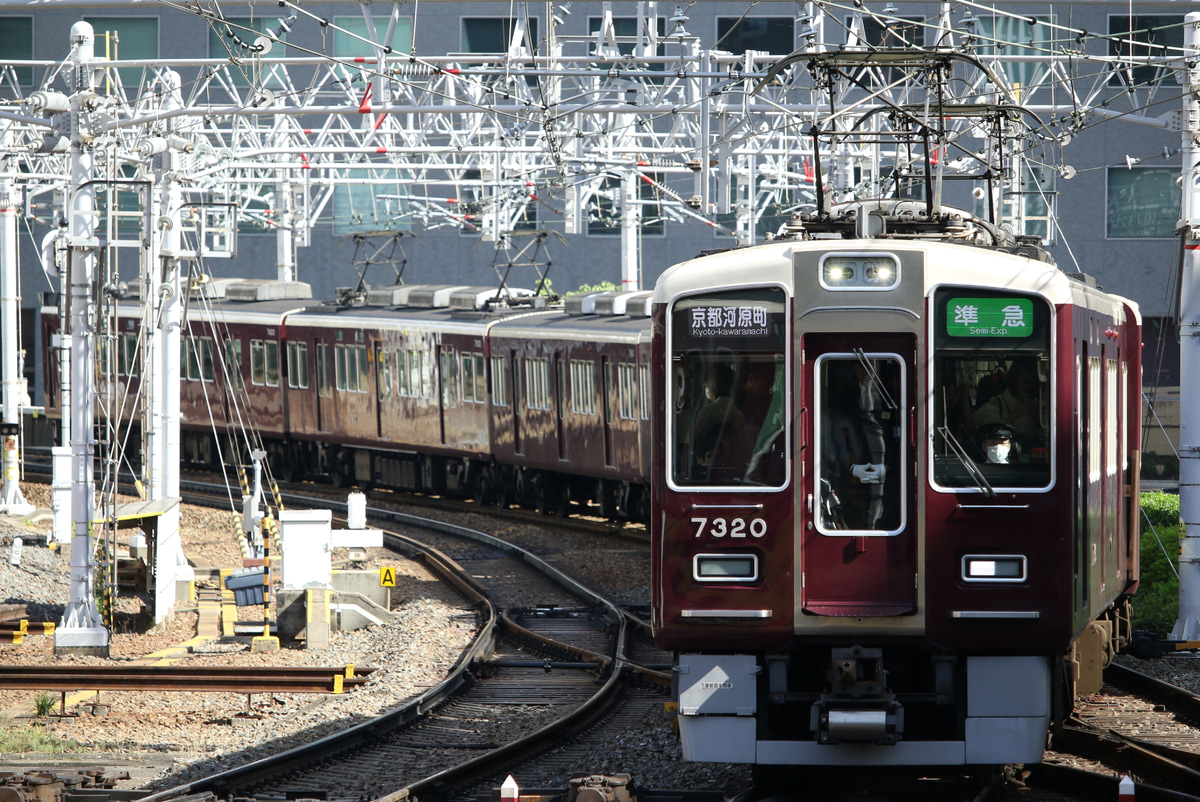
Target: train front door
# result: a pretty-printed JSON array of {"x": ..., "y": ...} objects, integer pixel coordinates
[{"x": 859, "y": 545}]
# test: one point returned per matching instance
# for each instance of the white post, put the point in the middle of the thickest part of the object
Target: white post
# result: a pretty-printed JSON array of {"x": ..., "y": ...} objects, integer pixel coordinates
[
  {"x": 12, "y": 500},
  {"x": 285, "y": 249},
  {"x": 1187, "y": 626},
  {"x": 81, "y": 630},
  {"x": 164, "y": 288},
  {"x": 631, "y": 223}
]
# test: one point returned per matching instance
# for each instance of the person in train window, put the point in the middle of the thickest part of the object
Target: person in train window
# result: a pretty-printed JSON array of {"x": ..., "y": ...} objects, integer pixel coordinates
[
  {"x": 999, "y": 445},
  {"x": 1018, "y": 405},
  {"x": 718, "y": 423},
  {"x": 855, "y": 448}
]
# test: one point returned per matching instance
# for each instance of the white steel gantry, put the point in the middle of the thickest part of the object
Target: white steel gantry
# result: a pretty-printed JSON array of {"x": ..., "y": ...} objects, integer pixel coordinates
[{"x": 577, "y": 124}]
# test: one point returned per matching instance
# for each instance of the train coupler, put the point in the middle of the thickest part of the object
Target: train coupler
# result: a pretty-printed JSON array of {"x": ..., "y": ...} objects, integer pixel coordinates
[{"x": 858, "y": 707}]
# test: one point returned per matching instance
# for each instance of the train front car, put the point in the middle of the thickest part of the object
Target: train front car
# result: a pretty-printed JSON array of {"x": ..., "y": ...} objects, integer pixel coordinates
[{"x": 893, "y": 499}]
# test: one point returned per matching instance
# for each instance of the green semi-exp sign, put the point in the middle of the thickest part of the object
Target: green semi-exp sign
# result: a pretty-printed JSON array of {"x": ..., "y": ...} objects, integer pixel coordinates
[{"x": 989, "y": 317}]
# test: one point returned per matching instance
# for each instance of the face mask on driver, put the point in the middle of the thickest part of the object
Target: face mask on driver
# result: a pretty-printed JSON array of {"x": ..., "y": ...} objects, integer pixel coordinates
[{"x": 998, "y": 453}]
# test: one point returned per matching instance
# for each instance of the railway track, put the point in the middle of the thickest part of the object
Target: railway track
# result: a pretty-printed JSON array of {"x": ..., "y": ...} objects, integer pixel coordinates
[
  {"x": 228, "y": 679},
  {"x": 1138, "y": 726},
  {"x": 550, "y": 661}
]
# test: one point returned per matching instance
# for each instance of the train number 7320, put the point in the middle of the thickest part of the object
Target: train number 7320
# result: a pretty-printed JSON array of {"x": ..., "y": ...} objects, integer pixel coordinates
[{"x": 730, "y": 527}]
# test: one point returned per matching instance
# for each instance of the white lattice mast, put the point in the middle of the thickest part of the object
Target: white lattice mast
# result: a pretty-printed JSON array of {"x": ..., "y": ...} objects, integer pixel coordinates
[
  {"x": 81, "y": 630},
  {"x": 12, "y": 387},
  {"x": 1187, "y": 626}
]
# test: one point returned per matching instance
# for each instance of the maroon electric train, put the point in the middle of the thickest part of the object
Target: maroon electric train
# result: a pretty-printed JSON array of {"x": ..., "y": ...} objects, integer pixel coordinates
[
  {"x": 442, "y": 389},
  {"x": 895, "y": 492}
]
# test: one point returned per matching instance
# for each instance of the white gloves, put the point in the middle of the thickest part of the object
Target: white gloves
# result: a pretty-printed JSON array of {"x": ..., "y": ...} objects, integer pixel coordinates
[{"x": 869, "y": 474}]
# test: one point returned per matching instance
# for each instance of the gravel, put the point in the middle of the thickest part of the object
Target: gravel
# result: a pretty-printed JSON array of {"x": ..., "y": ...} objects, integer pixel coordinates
[{"x": 164, "y": 739}]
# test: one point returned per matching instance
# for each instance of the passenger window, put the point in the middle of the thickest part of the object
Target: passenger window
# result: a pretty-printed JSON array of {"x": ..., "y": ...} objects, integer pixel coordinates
[
  {"x": 729, "y": 412},
  {"x": 993, "y": 391}
]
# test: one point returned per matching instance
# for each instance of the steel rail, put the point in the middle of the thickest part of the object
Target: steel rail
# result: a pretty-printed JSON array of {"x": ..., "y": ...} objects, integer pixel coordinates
[
  {"x": 231, "y": 679},
  {"x": 1181, "y": 701},
  {"x": 339, "y": 743},
  {"x": 615, "y": 666}
]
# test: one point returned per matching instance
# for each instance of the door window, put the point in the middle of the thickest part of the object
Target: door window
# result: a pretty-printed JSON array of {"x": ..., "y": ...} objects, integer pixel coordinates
[{"x": 859, "y": 416}]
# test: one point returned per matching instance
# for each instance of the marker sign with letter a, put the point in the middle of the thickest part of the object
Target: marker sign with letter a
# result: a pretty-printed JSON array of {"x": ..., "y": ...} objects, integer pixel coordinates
[{"x": 387, "y": 577}]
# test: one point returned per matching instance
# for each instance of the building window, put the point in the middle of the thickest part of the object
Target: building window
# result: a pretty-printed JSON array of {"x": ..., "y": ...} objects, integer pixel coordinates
[
  {"x": 775, "y": 35},
  {"x": 234, "y": 39},
  {"x": 16, "y": 44},
  {"x": 499, "y": 382},
  {"x": 1142, "y": 202},
  {"x": 604, "y": 208},
  {"x": 997, "y": 37},
  {"x": 583, "y": 387},
  {"x": 494, "y": 34},
  {"x": 347, "y": 44},
  {"x": 297, "y": 354},
  {"x": 1032, "y": 201},
  {"x": 125, "y": 38},
  {"x": 517, "y": 212},
  {"x": 1159, "y": 37}
]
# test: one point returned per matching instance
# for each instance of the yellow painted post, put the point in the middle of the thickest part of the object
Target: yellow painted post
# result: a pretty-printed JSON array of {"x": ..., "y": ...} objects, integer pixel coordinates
[{"x": 266, "y": 642}]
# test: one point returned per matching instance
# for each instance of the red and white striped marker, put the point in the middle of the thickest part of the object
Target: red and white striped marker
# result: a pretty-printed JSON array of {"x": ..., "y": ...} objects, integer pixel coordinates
[
  {"x": 1126, "y": 789},
  {"x": 509, "y": 792}
]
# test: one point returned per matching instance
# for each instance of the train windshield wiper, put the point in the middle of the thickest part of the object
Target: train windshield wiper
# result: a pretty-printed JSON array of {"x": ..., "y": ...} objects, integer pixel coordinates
[
  {"x": 973, "y": 471},
  {"x": 876, "y": 382}
]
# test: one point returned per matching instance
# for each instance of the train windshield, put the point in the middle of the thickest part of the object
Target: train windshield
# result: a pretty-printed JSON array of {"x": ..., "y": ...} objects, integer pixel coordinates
[
  {"x": 728, "y": 420},
  {"x": 992, "y": 390}
]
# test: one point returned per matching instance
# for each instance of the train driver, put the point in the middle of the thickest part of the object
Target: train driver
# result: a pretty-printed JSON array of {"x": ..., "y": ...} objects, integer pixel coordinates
[{"x": 999, "y": 445}]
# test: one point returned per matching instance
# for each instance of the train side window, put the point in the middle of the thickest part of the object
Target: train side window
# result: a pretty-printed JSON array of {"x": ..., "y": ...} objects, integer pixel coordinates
[
  {"x": 627, "y": 382},
  {"x": 258, "y": 363},
  {"x": 993, "y": 391},
  {"x": 233, "y": 361},
  {"x": 272, "y": 356},
  {"x": 449, "y": 396},
  {"x": 499, "y": 382},
  {"x": 297, "y": 354},
  {"x": 323, "y": 388},
  {"x": 384, "y": 387},
  {"x": 728, "y": 413},
  {"x": 128, "y": 358},
  {"x": 644, "y": 391}
]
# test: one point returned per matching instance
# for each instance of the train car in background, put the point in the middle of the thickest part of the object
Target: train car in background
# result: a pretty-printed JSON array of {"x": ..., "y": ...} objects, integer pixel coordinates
[
  {"x": 470, "y": 391},
  {"x": 895, "y": 490},
  {"x": 579, "y": 426}
]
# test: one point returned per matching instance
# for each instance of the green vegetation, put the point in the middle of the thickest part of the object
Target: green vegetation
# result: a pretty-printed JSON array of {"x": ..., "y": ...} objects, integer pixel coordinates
[
  {"x": 44, "y": 702},
  {"x": 24, "y": 739},
  {"x": 603, "y": 286},
  {"x": 1156, "y": 605}
]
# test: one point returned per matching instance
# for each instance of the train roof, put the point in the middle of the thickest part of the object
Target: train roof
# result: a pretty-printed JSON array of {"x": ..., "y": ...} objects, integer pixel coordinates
[
  {"x": 563, "y": 325},
  {"x": 945, "y": 263}
]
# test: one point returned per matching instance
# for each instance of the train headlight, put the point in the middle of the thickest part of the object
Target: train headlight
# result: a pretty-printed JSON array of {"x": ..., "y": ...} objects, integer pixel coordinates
[
  {"x": 839, "y": 272},
  {"x": 859, "y": 271},
  {"x": 876, "y": 274},
  {"x": 725, "y": 567},
  {"x": 995, "y": 568}
]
